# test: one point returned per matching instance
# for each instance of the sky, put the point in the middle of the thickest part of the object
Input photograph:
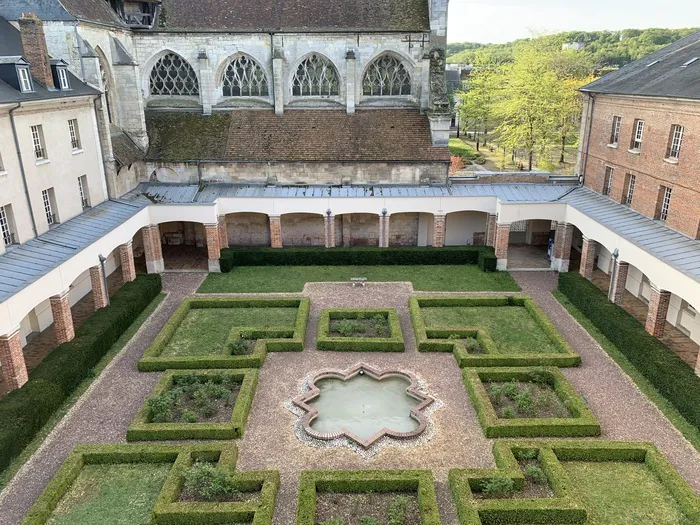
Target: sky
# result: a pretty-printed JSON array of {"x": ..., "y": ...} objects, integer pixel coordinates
[{"x": 499, "y": 21}]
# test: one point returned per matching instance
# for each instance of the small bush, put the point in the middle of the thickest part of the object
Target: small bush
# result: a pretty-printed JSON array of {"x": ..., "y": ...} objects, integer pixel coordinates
[
  {"x": 536, "y": 474},
  {"x": 397, "y": 511},
  {"x": 540, "y": 376},
  {"x": 530, "y": 453},
  {"x": 349, "y": 327},
  {"x": 498, "y": 486},
  {"x": 524, "y": 402},
  {"x": 238, "y": 347},
  {"x": 207, "y": 482},
  {"x": 508, "y": 412}
]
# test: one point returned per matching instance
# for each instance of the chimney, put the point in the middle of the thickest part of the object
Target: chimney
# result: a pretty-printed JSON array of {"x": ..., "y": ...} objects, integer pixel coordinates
[{"x": 34, "y": 43}]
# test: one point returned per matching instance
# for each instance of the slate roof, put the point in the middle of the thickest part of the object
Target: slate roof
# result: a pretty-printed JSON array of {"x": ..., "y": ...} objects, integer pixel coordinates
[
  {"x": 297, "y": 136},
  {"x": 44, "y": 9},
  {"x": 293, "y": 15},
  {"x": 125, "y": 151},
  {"x": 660, "y": 74},
  {"x": 22, "y": 265}
]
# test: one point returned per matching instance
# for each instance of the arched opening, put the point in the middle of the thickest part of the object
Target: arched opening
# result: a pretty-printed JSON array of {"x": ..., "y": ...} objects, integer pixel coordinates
[
  {"x": 173, "y": 76},
  {"x": 107, "y": 85},
  {"x": 184, "y": 246},
  {"x": 243, "y": 76},
  {"x": 386, "y": 76},
  {"x": 303, "y": 229},
  {"x": 466, "y": 228},
  {"x": 316, "y": 76}
]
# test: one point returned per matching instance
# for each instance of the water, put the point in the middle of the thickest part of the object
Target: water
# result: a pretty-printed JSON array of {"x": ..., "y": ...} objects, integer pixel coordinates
[{"x": 364, "y": 406}]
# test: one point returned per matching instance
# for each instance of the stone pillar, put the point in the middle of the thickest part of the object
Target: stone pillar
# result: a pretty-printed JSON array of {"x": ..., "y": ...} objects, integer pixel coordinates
[
  {"x": 14, "y": 368},
  {"x": 425, "y": 83},
  {"x": 491, "y": 230},
  {"x": 329, "y": 230},
  {"x": 439, "y": 230},
  {"x": 618, "y": 293},
  {"x": 213, "y": 247},
  {"x": 347, "y": 229},
  {"x": 206, "y": 89},
  {"x": 386, "y": 231},
  {"x": 152, "y": 249},
  {"x": 350, "y": 82},
  {"x": 223, "y": 231},
  {"x": 501, "y": 245},
  {"x": 562, "y": 247},
  {"x": 275, "y": 231},
  {"x": 126, "y": 257},
  {"x": 278, "y": 73},
  {"x": 588, "y": 258},
  {"x": 62, "y": 317},
  {"x": 100, "y": 298},
  {"x": 658, "y": 310}
]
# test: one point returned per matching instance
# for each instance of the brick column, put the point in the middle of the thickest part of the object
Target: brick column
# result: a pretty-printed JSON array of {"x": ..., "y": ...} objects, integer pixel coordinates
[
  {"x": 62, "y": 318},
  {"x": 126, "y": 257},
  {"x": 213, "y": 247},
  {"x": 588, "y": 258},
  {"x": 99, "y": 291},
  {"x": 491, "y": 230},
  {"x": 384, "y": 233},
  {"x": 275, "y": 231},
  {"x": 14, "y": 369},
  {"x": 439, "y": 230},
  {"x": 501, "y": 245},
  {"x": 620, "y": 281},
  {"x": 562, "y": 247},
  {"x": 329, "y": 230},
  {"x": 223, "y": 232},
  {"x": 658, "y": 310},
  {"x": 347, "y": 229},
  {"x": 152, "y": 249}
]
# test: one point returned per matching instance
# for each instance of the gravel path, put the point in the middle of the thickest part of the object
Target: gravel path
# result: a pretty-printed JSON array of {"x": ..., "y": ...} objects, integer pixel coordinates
[
  {"x": 103, "y": 413},
  {"x": 624, "y": 412}
]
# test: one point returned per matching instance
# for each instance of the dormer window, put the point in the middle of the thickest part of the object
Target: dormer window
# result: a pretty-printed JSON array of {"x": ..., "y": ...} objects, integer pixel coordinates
[
  {"x": 25, "y": 80},
  {"x": 63, "y": 78}
]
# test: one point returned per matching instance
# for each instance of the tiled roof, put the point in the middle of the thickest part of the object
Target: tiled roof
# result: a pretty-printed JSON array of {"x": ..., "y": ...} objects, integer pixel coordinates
[
  {"x": 668, "y": 72},
  {"x": 294, "y": 15},
  {"x": 297, "y": 136},
  {"x": 125, "y": 151},
  {"x": 93, "y": 11}
]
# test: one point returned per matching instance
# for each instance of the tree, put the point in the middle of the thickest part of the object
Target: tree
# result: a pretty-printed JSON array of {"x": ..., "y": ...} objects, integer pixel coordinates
[{"x": 477, "y": 103}]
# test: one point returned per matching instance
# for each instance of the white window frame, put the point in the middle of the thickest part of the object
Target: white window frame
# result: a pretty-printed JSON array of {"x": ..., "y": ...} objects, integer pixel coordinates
[
  {"x": 608, "y": 182},
  {"x": 48, "y": 209},
  {"x": 74, "y": 131},
  {"x": 665, "y": 204},
  {"x": 674, "y": 149},
  {"x": 63, "y": 78},
  {"x": 83, "y": 190},
  {"x": 615, "y": 135},
  {"x": 629, "y": 195},
  {"x": 2, "y": 165},
  {"x": 8, "y": 237},
  {"x": 39, "y": 143},
  {"x": 25, "y": 79},
  {"x": 638, "y": 135}
]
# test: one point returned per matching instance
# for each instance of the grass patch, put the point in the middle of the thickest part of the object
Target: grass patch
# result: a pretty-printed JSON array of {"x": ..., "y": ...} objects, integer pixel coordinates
[
  {"x": 360, "y": 330},
  {"x": 429, "y": 278},
  {"x": 115, "y": 494},
  {"x": 56, "y": 417},
  {"x": 690, "y": 432}
]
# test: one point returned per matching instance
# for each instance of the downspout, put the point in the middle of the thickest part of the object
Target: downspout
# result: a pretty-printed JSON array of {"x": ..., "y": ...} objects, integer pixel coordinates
[
  {"x": 21, "y": 167},
  {"x": 588, "y": 139}
]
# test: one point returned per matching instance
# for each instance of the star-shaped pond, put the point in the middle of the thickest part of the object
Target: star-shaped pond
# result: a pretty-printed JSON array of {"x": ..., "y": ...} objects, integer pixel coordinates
[{"x": 363, "y": 404}]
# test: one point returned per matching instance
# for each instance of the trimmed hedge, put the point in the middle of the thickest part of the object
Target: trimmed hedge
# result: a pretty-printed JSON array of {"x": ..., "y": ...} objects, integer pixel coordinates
[
  {"x": 393, "y": 343},
  {"x": 436, "y": 339},
  {"x": 581, "y": 423},
  {"x": 144, "y": 430},
  {"x": 341, "y": 256},
  {"x": 280, "y": 339},
  {"x": 667, "y": 372},
  {"x": 358, "y": 481},
  {"x": 167, "y": 510},
  {"x": 30, "y": 407},
  {"x": 567, "y": 505}
]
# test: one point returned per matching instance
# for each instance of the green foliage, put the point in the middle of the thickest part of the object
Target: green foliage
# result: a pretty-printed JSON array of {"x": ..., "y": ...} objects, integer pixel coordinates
[
  {"x": 397, "y": 511},
  {"x": 350, "y": 327},
  {"x": 508, "y": 412},
  {"x": 366, "y": 520},
  {"x": 201, "y": 392},
  {"x": 536, "y": 474},
  {"x": 30, "y": 407},
  {"x": 346, "y": 321},
  {"x": 238, "y": 346},
  {"x": 498, "y": 486},
  {"x": 208, "y": 482},
  {"x": 646, "y": 353}
]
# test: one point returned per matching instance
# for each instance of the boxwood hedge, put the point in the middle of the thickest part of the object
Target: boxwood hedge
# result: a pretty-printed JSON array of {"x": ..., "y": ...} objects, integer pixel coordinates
[
  {"x": 393, "y": 343},
  {"x": 50, "y": 383},
  {"x": 340, "y": 256},
  {"x": 667, "y": 372}
]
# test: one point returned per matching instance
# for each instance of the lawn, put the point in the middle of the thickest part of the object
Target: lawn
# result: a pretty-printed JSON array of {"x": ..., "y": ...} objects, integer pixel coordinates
[
  {"x": 429, "y": 278},
  {"x": 204, "y": 330},
  {"x": 119, "y": 494},
  {"x": 617, "y": 493},
  {"x": 512, "y": 327}
]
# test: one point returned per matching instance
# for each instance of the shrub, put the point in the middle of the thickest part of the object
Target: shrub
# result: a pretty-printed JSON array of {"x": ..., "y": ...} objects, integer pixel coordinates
[
  {"x": 238, "y": 347},
  {"x": 498, "y": 486},
  {"x": 349, "y": 327},
  {"x": 397, "y": 511},
  {"x": 508, "y": 412},
  {"x": 207, "y": 482},
  {"x": 536, "y": 474},
  {"x": 671, "y": 377}
]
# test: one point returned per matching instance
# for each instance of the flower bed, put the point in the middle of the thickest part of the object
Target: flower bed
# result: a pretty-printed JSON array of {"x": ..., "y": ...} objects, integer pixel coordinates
[
  {"x": 360, "y": 330},
  {"x": 173, "y": 411}
]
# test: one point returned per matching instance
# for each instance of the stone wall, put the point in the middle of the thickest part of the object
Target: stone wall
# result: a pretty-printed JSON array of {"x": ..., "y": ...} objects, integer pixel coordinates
[
  {"x": 403, "y": 229},
  {"x": 357, "y": 229},
  {"x": 248, "y": 229},
  {"x": 303, "y": 229}
]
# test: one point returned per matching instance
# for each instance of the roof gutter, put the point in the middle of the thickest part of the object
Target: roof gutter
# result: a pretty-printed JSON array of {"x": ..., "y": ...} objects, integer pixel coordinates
[{"x": 21, "y": 167}]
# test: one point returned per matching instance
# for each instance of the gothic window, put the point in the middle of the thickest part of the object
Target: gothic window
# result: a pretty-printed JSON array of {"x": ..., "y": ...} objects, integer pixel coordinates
[
  {"x": 316, "y": 75},
  {"x": 172, "y": 75},
  {"x": 386, "y": 76},
  {"x": 245, "y": 78}
]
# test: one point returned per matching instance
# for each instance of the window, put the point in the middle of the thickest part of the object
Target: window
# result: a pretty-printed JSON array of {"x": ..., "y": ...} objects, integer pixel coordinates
[
  {"x": 674, "y": 142},
  {"x": 63, "y": 78},
  {"x": 386, "y": 76},
  {"x": 629, "y": 190},
  {"x": 2, "y": 165},
  {"x": 173, "y": 76},
  {"x": 315, "y": 76},
  {"x": 49, "y": 198},
  {"x": 638, "y": 135},
  {"x": 38, "y": 141},
  {"x": 615, "y": 134},
  {"x": 608, "y": 182},
  {"x": 83, "y": 191},
  {"x": 6, "y": 226},
  {"x": 74, "y": 134},
  {"x": 25, "y": 80},
  {"x": 245, "y": 78},
  {"x": 664, "y": 203}
]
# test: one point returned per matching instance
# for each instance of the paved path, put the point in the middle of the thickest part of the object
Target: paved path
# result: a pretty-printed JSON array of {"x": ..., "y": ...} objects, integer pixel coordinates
[{"x": 103, "y": 413}]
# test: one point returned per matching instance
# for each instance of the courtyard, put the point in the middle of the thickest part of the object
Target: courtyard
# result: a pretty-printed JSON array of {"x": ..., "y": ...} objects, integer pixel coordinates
[{"x": 205, "y": 395}]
